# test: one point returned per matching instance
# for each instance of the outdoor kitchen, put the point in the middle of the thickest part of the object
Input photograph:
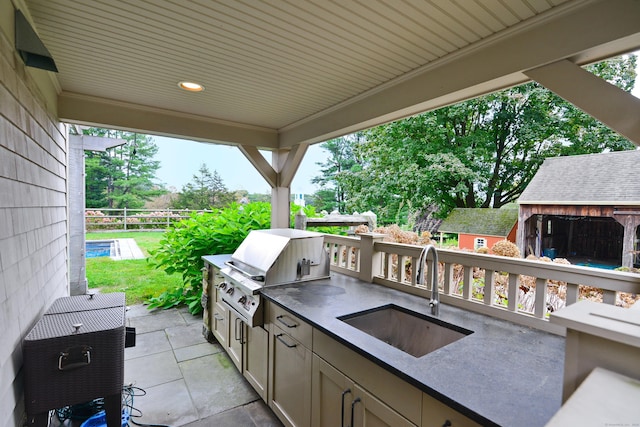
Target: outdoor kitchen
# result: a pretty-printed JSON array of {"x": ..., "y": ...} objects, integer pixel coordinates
[
  {"x": 309, "y": 329},
  {"x": 290, "y": 321}
]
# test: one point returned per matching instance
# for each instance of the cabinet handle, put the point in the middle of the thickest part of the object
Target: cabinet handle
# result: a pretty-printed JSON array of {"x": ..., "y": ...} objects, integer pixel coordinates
[
  {"x": 447, "y": 423},
  {"x": 239, "y": 328},
  {"x": 288, "y": 325},
  {"x": 218, "y": 317},
  {"x": 279, "y": 337},
  {"x": 344, "y": 393},
  {"x": 353, "y": 404}
]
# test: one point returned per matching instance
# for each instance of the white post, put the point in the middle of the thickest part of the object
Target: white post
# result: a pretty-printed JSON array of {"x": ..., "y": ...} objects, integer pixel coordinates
[{"x": 370, "y": 259}]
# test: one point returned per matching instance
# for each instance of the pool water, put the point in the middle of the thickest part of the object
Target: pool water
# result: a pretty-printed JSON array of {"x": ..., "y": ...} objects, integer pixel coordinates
[
  {"x": 98, "y": 248},
  {"x": 596, "y": 265}
]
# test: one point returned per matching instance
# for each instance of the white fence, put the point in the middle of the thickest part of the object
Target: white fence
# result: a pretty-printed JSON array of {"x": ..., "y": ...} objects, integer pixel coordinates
[{"x": 133, "y": 219}]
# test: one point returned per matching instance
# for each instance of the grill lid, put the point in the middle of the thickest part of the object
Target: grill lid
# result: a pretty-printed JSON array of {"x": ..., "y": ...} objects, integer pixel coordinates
[
  {"x": 260, "y": 250},
  {"x": 281, "y": 255}
]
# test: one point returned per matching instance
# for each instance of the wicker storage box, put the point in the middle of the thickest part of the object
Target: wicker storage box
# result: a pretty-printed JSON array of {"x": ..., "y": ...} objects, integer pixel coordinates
[
  {"x": 74, "y": 357},
  {"x": 86, "y": 302}
]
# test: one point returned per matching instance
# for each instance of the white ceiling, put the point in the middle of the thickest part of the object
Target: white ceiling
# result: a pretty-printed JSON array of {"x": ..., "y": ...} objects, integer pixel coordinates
[{"x": 282, "y": 72}]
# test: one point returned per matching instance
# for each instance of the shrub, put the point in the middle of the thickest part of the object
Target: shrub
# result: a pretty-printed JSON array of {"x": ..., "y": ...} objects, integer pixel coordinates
[
  {"x": 506, "y": 248},
  {"x": 182, "y": 247}
]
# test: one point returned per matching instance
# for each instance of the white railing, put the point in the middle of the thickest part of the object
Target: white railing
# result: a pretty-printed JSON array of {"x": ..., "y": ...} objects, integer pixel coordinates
[{"x": 518, "y": 290}]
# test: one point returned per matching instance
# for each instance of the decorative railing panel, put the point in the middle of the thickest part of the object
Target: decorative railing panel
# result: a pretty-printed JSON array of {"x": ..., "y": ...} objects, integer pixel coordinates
[{"x": 518, "y": 290}]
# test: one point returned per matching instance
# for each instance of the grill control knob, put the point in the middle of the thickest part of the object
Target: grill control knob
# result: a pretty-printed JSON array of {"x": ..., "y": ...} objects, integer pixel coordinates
[
  {"x": 222, "y": 286},
  {"x": 230, "y": 291},
  {"x": 243, "y": 300}
]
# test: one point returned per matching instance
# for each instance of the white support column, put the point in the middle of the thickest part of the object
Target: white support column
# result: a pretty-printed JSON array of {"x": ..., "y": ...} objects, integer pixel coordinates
[
  {"x": 280, "y": 207},
  {"x": 77, "y": 264},
  {"x": 76, "y": 175},
  {"x": 279, "y": 175}
]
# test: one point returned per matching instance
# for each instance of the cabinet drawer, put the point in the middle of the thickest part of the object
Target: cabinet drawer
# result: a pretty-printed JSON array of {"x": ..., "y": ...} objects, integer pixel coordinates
[
  {"x": 217, "y": 277},
  {"x": 395, "y": 392},
  {"x": 291, "y": 324}
]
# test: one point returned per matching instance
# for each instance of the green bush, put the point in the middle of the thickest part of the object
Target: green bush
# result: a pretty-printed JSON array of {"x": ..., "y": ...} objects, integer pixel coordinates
[{"x": 182, "y": 247}]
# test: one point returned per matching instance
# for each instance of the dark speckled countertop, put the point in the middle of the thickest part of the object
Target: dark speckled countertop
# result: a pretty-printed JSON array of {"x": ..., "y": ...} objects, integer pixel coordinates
[{"x": 502, "y": 374}]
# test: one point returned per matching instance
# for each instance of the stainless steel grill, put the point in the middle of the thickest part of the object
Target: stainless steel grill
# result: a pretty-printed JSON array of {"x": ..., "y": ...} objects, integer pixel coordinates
[{"x": 269, "y": 258}]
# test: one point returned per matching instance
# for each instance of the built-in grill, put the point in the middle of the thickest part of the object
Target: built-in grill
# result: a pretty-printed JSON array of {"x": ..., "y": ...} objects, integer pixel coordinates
[{"x": 269, "y": 258}]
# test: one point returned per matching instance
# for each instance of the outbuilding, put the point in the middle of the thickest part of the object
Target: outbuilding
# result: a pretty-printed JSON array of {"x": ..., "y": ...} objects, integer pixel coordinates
[
  {"x": 584, "y": 208},
  {"x": 481, "y": 227}
]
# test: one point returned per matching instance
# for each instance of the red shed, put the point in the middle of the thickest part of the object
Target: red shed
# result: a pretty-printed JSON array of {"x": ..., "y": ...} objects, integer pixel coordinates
[{"x": 481, "y": 227}]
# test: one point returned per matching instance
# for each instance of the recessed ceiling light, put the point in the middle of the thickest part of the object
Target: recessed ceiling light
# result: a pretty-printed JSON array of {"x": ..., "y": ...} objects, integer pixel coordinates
[{"x": 191, "y": 86}]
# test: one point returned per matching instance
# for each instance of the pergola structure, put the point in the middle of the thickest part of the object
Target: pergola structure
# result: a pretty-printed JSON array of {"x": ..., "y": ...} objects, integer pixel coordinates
[
  {"x": 279, "y": 75},
  {"x": 282, "y": 75}
]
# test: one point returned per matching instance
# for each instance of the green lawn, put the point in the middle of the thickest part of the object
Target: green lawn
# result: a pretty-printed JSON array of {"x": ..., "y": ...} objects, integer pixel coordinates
[{"x": 136, "y": 278}]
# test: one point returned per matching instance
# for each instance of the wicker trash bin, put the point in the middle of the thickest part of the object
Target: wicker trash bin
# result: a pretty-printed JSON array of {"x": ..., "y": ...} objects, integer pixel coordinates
[{"x": 71, "y": 357}]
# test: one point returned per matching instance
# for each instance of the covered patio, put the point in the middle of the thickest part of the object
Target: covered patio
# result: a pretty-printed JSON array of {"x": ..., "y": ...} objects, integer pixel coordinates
[{"x": 277, "y": 76}]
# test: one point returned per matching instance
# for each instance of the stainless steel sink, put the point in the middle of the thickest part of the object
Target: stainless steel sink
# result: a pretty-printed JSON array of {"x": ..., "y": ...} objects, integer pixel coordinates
[{"x": 406, "y": 330}]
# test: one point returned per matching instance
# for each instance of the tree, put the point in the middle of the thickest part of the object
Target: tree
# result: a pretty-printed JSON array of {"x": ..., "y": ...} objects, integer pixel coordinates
[
  {"x": 479, "y": 153},
  {"x": 206, "y": 191},
  {"x": 333, "y": 195},
  {"x": 121, "y": 177}
]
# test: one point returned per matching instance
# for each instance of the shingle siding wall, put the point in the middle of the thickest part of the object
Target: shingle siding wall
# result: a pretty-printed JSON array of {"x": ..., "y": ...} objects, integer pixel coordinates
[{"x": 33, "y": 221}]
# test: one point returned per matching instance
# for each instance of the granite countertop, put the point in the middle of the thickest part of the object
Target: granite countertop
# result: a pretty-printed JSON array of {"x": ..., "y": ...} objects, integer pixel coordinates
[{"x": 502, "y": 374}]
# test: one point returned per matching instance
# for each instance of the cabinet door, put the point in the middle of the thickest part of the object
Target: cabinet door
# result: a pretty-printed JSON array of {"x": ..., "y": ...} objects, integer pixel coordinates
[
  {"x": 220, "y": 324},
  {"x": 289, "y": 379},
  {"x": 256, "y": 359},
  {"x": 331, "y": 396},
  {"x": 371, "y": 412},
  {"x": 236, "y": 339},
  {"x": 437, "y": 414}
]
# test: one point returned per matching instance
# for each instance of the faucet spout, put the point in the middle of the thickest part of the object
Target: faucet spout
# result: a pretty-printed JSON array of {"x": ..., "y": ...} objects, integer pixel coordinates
[{"x": 434, "y": 301}]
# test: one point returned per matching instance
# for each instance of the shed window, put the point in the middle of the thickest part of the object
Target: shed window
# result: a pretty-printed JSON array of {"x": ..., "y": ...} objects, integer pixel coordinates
[{"x": 479, "y": 242}]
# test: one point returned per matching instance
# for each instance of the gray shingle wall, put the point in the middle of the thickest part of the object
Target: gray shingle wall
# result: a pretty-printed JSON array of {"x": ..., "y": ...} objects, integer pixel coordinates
[
  {"x": 33, "y": 220},
  {"x": 592, "y": 179}
]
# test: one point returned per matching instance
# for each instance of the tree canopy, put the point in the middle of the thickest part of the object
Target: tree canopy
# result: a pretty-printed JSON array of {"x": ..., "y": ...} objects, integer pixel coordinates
[
  {"x": 205, "y": 191},
  {"x": 333, "y": 194},
  {"x": 123, "y": 176},
  {"x": 478, "y": 153}
]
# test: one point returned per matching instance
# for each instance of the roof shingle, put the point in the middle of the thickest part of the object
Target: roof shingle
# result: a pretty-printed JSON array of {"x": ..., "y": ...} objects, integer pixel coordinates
[
  {"x": 480, "y": 221},
  {"x": 590, "y": 179}
]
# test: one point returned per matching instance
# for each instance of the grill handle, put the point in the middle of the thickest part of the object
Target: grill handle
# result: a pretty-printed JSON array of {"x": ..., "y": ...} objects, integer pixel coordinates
[{"x": 255, "y": 277}]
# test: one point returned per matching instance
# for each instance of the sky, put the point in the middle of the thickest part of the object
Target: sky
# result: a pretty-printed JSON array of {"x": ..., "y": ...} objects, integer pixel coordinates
[{"x": 180, "y": 160}]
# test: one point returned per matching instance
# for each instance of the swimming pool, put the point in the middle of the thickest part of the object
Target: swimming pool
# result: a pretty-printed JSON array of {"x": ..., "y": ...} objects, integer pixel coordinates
[
  {"x": 99, "y": 248},
  {"x": 597, "y": 265}
]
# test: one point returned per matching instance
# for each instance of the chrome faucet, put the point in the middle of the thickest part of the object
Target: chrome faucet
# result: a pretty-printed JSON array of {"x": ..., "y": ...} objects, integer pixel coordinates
[{"x": 434, "y": 302}]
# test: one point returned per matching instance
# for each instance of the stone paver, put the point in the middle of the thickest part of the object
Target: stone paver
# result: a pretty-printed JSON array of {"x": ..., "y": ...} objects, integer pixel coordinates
[
  {"x": 215, "y": 384},
  {"x": 152, "y": 370},
  {"x": 167, "y": 403},
  {"x": 156, "y": 321},
  {"x": 188, "y": 381},
  {"x": 147, "y": 344},
  {"x": 185, "y": 336}
]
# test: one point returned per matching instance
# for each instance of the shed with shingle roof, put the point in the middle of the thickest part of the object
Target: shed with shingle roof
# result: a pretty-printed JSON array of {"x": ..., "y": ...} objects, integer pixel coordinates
[
  {"x": 585, "y": 206},
  {"x": 478, "y": 227}
]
